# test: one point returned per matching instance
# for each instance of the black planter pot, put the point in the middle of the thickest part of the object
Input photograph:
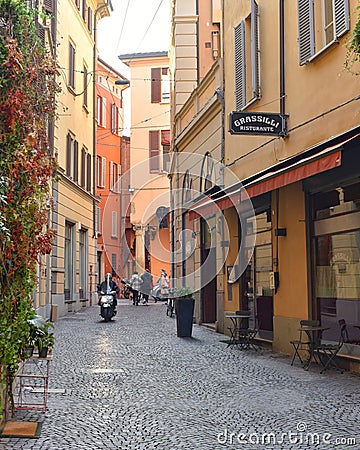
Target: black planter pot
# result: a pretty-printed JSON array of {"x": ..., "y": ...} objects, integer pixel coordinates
[
  {"x": 43, "y": 352},
  {"x": 184, "y": 311},
  {"x": 28, "y": 352}
]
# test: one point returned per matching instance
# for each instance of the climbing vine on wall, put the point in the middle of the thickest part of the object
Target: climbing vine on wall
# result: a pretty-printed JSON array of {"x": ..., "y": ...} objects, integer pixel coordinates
[
  {"x": 353, "y": 47},
  {"x": 27, "y": 105}
]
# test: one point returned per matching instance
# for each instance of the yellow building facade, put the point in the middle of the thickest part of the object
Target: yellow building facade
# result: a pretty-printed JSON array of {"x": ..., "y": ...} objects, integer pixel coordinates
[
  {"x": 290, "y": 128},
  {"x": 72, "y": 263}
]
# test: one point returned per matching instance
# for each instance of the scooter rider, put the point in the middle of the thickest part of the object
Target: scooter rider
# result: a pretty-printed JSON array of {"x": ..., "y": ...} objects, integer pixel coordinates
[{"x": 108, "y": 285}]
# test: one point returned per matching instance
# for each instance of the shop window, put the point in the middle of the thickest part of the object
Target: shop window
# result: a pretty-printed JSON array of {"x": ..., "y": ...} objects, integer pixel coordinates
[{"x": 336, "y": 274}]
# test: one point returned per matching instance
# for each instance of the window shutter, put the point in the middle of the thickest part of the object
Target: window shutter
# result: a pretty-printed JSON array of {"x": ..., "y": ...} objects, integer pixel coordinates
[
  {"x": 71, "y": 66},
  {"x": 114, "y": 224},
  {"x": 76, "y": 160},
  {"x": 84, "y": 10},
  {"x": 342, "y": 24},
  {"x": 154, "y": 163},
  {"x": 240, "y": 93},
  {"x": 49, "y": 6},
  {"x": 68, "y": 154},
  {"x": 98, "y": 220},
  {"x": 113, "y": 117},
  {"x": 111, "y": 166},
  {"x": 103, "y": 112},
  {"x": 156, "y": 85},
  {"x": 83, "y": 168},
  {"x": 85, "y": 86},
  {"x": 255, "y": 51},
  {"x": 306, "y": 30},
  {"x": 98, "y": 110},
  {"x": 103, "y": 171},
  {"x": 90, "y": 19},
  {"x": 88, "y": 172}
]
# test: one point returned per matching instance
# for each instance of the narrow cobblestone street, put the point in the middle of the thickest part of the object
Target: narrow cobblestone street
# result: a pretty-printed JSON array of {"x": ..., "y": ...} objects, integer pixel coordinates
[{"x": 132, "y": 384}]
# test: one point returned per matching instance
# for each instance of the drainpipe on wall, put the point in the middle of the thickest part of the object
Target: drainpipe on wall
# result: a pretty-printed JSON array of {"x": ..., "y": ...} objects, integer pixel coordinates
[{"x": 282, "y": 57}]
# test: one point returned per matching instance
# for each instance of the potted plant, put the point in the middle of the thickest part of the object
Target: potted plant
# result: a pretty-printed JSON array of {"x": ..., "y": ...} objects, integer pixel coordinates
[
  {"x": 31, "y": 333},
  {"x": 41, "y": 334},
  {"x": 45, "y": 343},
  {"x": 184, "y": 311}
]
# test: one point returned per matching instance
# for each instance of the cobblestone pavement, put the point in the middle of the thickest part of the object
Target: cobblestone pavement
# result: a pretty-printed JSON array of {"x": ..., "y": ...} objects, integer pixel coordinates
[{"x": 132, "y": 384}]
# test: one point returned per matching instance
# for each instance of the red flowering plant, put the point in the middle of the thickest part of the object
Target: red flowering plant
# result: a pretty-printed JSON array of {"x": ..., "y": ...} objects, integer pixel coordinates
[{"x": 27, "y": 106}]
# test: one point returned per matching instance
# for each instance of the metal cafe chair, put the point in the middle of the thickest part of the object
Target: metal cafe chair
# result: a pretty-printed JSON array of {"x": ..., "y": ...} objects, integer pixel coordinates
[
  {"x": 302, "y": 343},
  {"x": 252, "y": 332},
  {"x": 347, "y": 338},
  {"x": 247, "y": 334},
  {"x": 330, "y": 351},
  {"x": 237, "y": 331}
]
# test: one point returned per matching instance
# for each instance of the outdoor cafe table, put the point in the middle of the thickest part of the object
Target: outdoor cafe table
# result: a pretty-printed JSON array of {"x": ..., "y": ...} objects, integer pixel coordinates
[
  {"x": 314, "y": 334},
  {"x": 239, "y": 335}
]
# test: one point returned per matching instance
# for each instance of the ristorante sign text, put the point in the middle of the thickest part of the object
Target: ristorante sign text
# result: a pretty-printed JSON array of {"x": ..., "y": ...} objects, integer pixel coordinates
[{"x": 257, "y": 123}]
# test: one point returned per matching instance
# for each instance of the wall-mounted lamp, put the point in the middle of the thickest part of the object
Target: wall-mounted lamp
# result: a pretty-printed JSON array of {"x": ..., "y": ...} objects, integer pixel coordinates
[
  {"x": 131, "y": 190},
  {"x": 122, "y": 82}
]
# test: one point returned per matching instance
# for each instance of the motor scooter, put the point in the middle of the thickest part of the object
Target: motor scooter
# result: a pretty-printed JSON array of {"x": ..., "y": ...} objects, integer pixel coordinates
[
  {"x": 106, "y": 303},
  {"x": 126, "y": 290}
]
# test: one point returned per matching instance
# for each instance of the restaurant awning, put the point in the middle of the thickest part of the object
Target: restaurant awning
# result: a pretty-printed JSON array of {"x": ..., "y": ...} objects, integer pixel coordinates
[{"x": 276, "y": 177}]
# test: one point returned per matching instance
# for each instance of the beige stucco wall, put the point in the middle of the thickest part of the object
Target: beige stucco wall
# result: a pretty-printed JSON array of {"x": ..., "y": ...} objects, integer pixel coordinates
[{"x": 311, "y": 89}]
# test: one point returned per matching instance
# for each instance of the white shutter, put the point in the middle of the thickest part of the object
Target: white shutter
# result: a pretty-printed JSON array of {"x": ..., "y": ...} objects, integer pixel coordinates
[
  {"x": 103, "y": 171},
  {"x": 240, "y": 80},
  {"x": 98, "y": 220},
  {"x": 103, "y": 105},
  {"x": 255, "y": 49},
  {"x": 306, "y": 30},
  {"x": 119, "y": 122},
  {"x": 342, "y": 23},
  {"x": 114, "y": 224},
  {"x": 111, "y": 165}
]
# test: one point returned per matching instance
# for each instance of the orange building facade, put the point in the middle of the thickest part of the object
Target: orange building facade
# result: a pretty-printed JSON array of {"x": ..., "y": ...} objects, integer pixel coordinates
[{"x": 110, "y": 153}]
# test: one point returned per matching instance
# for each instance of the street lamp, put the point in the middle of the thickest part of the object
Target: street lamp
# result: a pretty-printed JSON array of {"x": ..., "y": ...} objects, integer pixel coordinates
[{"x": 122, "y": 82}]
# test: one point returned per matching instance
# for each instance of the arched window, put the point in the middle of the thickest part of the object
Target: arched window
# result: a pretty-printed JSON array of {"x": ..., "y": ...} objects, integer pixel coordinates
[
  {"x": 207, "y": 175},
  {"x": 187, "y": 188}
]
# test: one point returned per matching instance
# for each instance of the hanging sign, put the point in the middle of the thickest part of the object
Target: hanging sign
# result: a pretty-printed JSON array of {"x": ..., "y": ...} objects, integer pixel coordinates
[{"x": 257, "y": 123}]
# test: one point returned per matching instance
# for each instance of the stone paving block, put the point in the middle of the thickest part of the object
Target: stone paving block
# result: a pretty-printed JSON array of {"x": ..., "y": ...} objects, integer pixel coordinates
[{"x": 133, "y": 384}]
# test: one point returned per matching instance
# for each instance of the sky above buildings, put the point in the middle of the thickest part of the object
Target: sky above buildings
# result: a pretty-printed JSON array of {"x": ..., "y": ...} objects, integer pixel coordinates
[{"x": 135, "y": 26}]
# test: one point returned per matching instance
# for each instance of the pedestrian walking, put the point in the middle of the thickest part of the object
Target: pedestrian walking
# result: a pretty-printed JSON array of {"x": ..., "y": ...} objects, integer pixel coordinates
[
  {"x": 135, "y": 283},
  {"x": 147, "y": 283},
  {"x": 164, "y": 283}
]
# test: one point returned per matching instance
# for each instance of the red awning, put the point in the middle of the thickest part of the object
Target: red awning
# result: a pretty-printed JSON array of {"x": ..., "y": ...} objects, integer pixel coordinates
[{"x": 322, "y": 161}]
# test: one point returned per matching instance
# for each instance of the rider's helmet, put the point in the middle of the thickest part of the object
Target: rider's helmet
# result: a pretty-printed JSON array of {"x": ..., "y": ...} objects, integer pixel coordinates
[{"x": 108, "y": 276}]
